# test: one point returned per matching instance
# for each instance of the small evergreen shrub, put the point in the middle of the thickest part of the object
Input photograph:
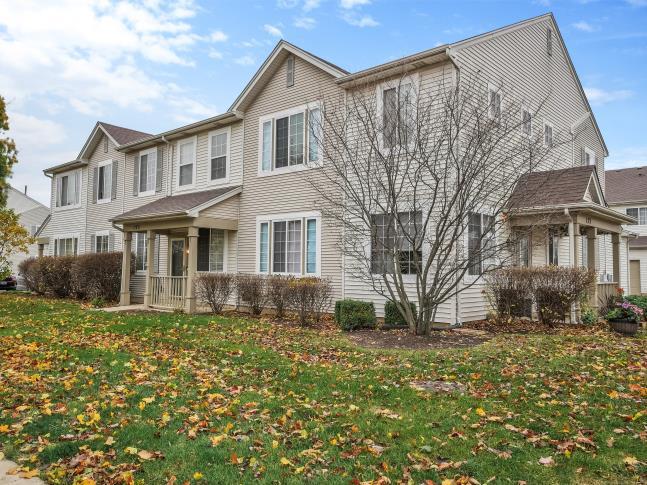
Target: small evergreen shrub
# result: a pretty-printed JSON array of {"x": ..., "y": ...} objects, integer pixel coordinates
[
  {"x": 393, "y": 317},
  {"x": 589, "y": 315},
  {"x": 354, "y": 314}
]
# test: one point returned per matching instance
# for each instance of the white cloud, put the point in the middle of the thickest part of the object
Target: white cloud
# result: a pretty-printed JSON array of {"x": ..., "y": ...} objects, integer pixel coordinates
[
  {"x": 348, "y": 4},
  {"x": 583, "y": 26},
  {"x": 627, "y": 157},
  {"x": 218, "y": 36},
  {"x": 305, "y": 23},
  {"x": 360, "y": 20},
  {"x": 189, "y": 110},
  {"x": 599, "y": 96},
  {"x": 309, "y": 5},
  {"x": 214, "y": 54},
  {"x": 28, "y": 127},
  {"x": 287, "y": 3},
  {"x": 245, "y": 61},
  {"x": 272, "y": 30}
]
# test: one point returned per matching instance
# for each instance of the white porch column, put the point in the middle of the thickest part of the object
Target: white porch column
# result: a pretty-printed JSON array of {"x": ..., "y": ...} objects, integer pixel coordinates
[
  {"x": 190, "y": 303},
  {"x": 150, "y": 261},
  {"x": 124, "y": 299},
  {"x": 615, "y": 240},
  {"x": 574, "y": 255},
  {"x": 593, "y": 261}
]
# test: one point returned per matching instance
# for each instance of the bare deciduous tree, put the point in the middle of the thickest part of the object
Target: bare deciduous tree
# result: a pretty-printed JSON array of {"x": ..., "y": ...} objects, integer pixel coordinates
[{"x": 424, "y": 178}]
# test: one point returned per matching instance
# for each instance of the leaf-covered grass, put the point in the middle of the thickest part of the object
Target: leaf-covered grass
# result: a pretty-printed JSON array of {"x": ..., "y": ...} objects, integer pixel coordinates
[{"x": 150, "y": 397}]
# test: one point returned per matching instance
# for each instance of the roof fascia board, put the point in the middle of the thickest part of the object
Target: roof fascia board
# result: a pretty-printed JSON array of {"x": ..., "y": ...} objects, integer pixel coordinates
[
  {"x": 65, "y": 166},
  {"x": 281, "y": 46}
]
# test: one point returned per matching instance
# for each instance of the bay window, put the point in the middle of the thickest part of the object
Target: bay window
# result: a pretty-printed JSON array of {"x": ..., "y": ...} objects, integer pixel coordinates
[
  {"x": 68, "y": 189},
  {"x": 289, "y": 244},
  {"x": 290, "y": 139}
]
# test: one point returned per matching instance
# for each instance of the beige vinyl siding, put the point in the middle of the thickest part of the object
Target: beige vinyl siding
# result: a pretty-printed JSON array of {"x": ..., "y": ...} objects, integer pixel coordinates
[
  {"x": 624, "y": 264},
  {"x": 640, "y": 255},
  {"x": 639, "y": 229},
  {"x": 227, "y": 209},
  {"x": 203, "y": 160},
  {"x": 286, "y": 192},
  {"x": 518, "y": 61},
  {"x": 30, "y": 213},
  {"x": 64, "y": 221}
]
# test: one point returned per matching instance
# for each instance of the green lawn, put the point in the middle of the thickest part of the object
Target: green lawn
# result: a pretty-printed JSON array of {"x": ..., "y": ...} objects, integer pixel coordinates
[{"x": 110, "y": 397}]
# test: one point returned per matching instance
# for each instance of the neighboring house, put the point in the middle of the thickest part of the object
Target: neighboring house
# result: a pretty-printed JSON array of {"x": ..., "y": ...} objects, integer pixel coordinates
[
  {"x": 228, "y": 193},
  {"x": 31, "y": 215},
  {"x": 627, "y": 193}
]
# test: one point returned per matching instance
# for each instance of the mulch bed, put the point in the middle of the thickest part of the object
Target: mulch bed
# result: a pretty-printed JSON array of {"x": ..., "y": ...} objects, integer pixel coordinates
[
  {"x": 402, "y": 339},
  {"x": 533, "y": 327}
]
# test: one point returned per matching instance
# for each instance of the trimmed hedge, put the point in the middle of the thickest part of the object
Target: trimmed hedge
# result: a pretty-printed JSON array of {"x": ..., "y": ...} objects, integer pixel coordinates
[
  {"x": 354, "y": 314},
  {"x": 393, "y": 317}
]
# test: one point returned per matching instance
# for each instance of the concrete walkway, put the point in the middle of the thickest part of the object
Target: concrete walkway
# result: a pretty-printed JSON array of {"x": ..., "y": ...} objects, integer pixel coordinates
[{"x": 6, "y": 479}]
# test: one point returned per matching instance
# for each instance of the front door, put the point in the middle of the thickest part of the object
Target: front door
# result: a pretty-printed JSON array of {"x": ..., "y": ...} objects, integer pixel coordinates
[
  {"x": 634, "y": 274},
  {"x": 177, "y": 257}
]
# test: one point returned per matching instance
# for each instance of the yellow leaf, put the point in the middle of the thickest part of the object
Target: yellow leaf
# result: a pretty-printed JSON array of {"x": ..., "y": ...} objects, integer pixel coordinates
[
  {"x": 29, "y": 473},
  {"x": 480, "y": 411},
  {"x": 285, "y": 461},
  {"x": 275, "y": 444},
  {"x": 630, "y": 460},
  {"x": 131, "y": 450},
  {"x": 448, "y": 481},
  {"x": 110, "y": 441},
  {"x": 4, "y": 428},
  {"x": 87, "y": 481},
  {"x": 216, "y": 440},
  {"x": 145, "y": 455},
  {"x": 613, "y": 394},
  {"x": 197, "y": 476}
]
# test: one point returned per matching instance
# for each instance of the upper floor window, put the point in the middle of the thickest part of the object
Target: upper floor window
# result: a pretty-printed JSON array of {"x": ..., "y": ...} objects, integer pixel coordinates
[
  {"x": 146, "y": 172},
  {"x": 494, "y": 103},
  {"x": 289, "y": 244},
  {"x": 480, "y": 239},
  {"x": 397, "y": 114},
  {"x": 526, "y": 122},
  {"x": 68, "y": 189},
  {"x": 588, "y": 156},
  {"x": 396, "y": 240},
  {"x": 285, "y": 136},
  {"x": 186, "y": 162},
  {"x": 548, "y": 135},
  {"x": 104, "y": 183},
  {"x": 289, "y": 71},
  {"x": 638, "y": 213},
  {"x": 219, "y": 155}
]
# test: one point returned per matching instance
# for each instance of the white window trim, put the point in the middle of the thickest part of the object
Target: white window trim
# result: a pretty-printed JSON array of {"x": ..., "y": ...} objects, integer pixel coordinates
[
  {"x": 532, "y": 118},
  {"x": 136, "y": 235},
  {"x": 58, "y": 238},
  {"x": 591, "y": 153},
  {"x": 222, "y": 181},
  {"x": 493, "y": 88},
  {"x": 101, "y": 234},
  {"x": 546, "y": 123},
  {"x": 304, "y": 108},
  {"x": 194, "y": 140},
  {"x": 271, "y": 219},
  {"x": 148, "y": 192},
  {"x": 109, "y": 198},
  {"x": 71, "y": 206},
  {"x": 473, "y": 278},
  {"x": 379, "y": 97}
]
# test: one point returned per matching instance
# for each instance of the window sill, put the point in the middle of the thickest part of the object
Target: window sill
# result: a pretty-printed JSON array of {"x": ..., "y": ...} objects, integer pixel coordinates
[
  {"x": 146, "y": 194},
  {"x": 223, "y": 181},
  {"x": 104, "y": 201},
  {"x": 67, "y": 208},
  {"x": 290, "y": 169},
  {"x": 184, "y": 188}
]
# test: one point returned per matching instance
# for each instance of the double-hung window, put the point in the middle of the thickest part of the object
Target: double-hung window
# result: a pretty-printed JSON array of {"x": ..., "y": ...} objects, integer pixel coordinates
[
  {"x": 219, "y": 155},
  {"x": 289, "y": 244},
  {"x": 104, "y": 181},
  {"x": 186, "y": 162},
  {"x": 526, "y": 122},
  {"x": 66, "y": 246},
  {"x": 212, "y": 245},
  {"x": 480, "y": 242},
  {"x": 553, "y": 248},
  {"x": 494, "y": 103},
  {"x": 102, "y": 242},
  {"x": 147, "y": 172},
  {"x": 398, "y": 111},
  {"x": 68, "y": 189},
  {"x": 522, "y": 250},
  {"x": 396, "y": 240},
  {"x": 588, "y": 156},
  {"x": 291, "y": 139},
  {"x": 548, "y": 135}
]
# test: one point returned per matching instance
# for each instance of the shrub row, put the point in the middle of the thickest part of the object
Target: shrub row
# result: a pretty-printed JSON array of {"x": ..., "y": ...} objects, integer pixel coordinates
[
  {"x": 308, "y": 297},
  {"x": 552, "y": 289},
  {"x": 89, "y": 276}
]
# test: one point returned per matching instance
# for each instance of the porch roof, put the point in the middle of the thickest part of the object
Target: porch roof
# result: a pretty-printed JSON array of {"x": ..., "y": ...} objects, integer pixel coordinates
[{"x": 178, "y": 205}]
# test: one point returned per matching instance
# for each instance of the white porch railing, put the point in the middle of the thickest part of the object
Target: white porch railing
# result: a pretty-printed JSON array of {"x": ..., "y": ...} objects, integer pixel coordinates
[{"x": 168, "y": 291}]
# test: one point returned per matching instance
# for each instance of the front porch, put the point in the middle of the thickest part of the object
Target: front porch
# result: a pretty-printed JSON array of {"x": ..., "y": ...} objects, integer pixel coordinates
[{"x": 173, "y": 246}]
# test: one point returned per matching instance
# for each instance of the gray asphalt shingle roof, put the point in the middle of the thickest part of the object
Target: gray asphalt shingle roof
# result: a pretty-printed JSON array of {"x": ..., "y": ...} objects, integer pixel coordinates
[
  {"x": 552, "y": 187},
  {"x": 626, "y": 185},
  {"x": 123, "y": 135},
  {"x": 175, "y": 204}
]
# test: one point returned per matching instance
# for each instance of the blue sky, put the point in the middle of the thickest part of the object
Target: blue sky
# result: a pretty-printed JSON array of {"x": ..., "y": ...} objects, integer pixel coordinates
[{"x": 153, "y": 65}]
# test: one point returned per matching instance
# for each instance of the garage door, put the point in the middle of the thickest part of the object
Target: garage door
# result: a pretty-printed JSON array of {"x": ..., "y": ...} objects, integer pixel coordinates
[{"x": 634, "y": 272}]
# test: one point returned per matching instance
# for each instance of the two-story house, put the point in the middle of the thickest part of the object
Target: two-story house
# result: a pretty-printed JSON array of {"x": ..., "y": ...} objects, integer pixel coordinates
[
  {"x": 627, "y": 192},
  {"x": 229, "y": 193}
]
